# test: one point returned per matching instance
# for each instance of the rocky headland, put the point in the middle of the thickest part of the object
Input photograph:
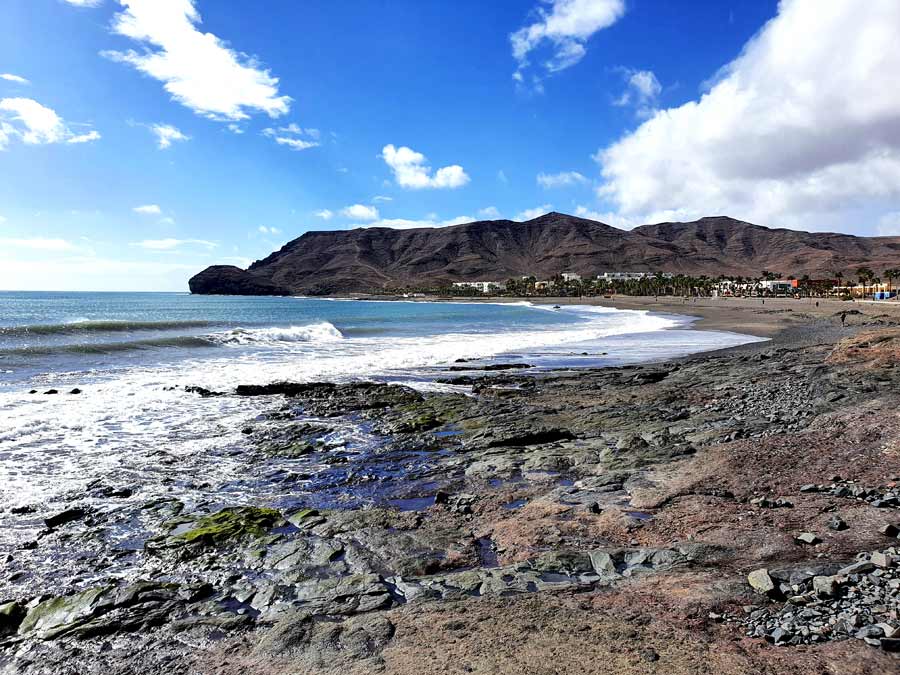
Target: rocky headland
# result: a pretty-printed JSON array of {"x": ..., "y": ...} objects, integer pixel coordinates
[{"x": 730, "y": 513}]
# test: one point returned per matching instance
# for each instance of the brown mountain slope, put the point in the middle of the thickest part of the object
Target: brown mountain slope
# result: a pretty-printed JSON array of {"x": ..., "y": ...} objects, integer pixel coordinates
[
  {"x": 727, "y": 246},
  {"x": 370, "y": 259}
]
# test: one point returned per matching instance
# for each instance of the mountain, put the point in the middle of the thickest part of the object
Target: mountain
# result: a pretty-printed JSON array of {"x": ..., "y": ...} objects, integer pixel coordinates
[{"x": 370, "y": 259}]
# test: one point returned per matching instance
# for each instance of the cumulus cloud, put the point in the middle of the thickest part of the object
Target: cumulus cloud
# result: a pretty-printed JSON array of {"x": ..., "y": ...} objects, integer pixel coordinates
[
  {"x": 489, "y": 213},
  {"x": 360, "y": 212},
  {"x": 166, "y": 134},
  {"x": 801, "y": 130},
  {"x": 411, "y": 170},
  {"x": 325, "y": 214},
  {"x": 172, "y": 244},
  {"x": 9, "y": 77},
  {"x": 36, "y": 124},
  {"x": 530, "y": 214},
  {"x": 642, "y": 89},
  {"x": 294, "y": 137},
  {"x": 566, "y": 25},
  {"x": 199, "y": 70},
  {"x": 148, "y": 210},
  {"x": 269, "y": 230},
  {"x": 564, "y": 179}
]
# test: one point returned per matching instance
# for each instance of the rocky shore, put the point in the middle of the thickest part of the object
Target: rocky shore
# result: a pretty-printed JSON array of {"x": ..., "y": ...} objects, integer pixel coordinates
[{"x": 735, "y": 512}]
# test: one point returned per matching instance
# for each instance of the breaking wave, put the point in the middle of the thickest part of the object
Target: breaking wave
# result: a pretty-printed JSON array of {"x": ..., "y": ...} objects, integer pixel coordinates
[{"x": 317, "y": 332}]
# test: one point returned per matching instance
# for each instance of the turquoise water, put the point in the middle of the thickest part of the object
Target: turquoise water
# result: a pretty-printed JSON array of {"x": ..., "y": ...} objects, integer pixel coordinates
[
  {"x": 46, "y": 332},
  {"x": 132, "y": 354}
]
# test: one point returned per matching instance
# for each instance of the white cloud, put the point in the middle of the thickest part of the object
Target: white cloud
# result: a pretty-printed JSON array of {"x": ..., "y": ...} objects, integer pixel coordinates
[
  {"x": 37, "y": 244},
  {"x": 501, "y": 176},
  {"x": 293, "y": 137},
  {"x": 489, "y": 213},
  {"x": 40, "y": 123},
  {"x": 360, "y": 212},
  {"x": 85, "y": 3},
  {"x": 566, "y": 25},
  {"x": 564, "y": 179},
  {"x": 642, "y": 91},
  {"x": 382, "y": 198},
  {"x": 9, "y": 77},
  {"x": 297, "y": 130},
  {"x": 148, "y": 209},
  {"x": 325, "y": 214},
  {"x": 530, "y": 214},
  {"x": 36, "y": 124},
  {"x": 801, "y": 130},
  {"x": 197, "y": 69},
  {"x": 172, "y": 244},
  {"x": 269, "y": 230},
  {"x": 166, "y": 134},
  {"x": 412, "y": 171},
  {"x": 407, "y": 224},
  {"x": 91, "y": 135},
  {"x": 2, "y": 220},
  {"x": 168, "y": 220},
  {"x": 607, "y": 217}
]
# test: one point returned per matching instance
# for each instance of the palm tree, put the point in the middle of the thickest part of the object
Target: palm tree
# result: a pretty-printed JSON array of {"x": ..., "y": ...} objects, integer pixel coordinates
[
  {"x": 890, "y": 274},
  {"x": 864, "y": 274}
]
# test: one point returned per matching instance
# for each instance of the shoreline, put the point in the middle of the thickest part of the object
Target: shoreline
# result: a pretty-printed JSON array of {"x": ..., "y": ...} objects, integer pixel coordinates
[
  {"x": 782, "y": 322},
  {"x": 632, "y": 502}
]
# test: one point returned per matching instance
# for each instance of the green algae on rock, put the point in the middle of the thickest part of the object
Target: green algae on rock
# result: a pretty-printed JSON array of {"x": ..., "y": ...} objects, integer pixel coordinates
[{"x": 219, "y": 528}]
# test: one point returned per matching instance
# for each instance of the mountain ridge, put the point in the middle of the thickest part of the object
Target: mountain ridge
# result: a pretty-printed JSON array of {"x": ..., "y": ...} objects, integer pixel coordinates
[{"x": 374, "y": 259}]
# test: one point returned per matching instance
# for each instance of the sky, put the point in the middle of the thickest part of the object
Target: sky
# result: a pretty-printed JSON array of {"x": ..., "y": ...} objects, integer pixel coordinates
[{"x": 142, "y": 140}]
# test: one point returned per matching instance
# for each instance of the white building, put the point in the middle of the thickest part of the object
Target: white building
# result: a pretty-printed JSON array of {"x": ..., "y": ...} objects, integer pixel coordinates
[
  {"x": 628, "y": 276},
  {"x": 481, "y": 286},
  {"x": 570, "y": 276}
]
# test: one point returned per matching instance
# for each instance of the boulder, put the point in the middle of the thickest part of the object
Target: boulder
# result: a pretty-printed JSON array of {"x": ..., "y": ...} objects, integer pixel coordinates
[
  {"x": 67, "y": 516},
  {"x": 826, "y": 586},
  {"x": 807, "y": 538},
  {"x": 837, "y": 523},
  {"x": 217, "y": 529},
  {"x": 890, "y": 530},
  {"x": 861, "y": 567},
  {"x": 880, "y": 559},
  {"x": 761, "y": 582},
  {"x": 11, "y": 615}
]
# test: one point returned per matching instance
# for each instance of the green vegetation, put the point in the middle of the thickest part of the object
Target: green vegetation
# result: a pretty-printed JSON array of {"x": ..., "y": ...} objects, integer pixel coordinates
[{"x": 228, "y": 524}]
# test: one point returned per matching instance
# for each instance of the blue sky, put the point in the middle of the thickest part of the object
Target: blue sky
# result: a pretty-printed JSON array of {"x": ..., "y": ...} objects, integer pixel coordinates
[{"x": 141, "y": 140}]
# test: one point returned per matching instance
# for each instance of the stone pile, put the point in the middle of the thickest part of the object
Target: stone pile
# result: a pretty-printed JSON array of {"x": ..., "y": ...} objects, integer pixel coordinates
[
  {"x": 860, "y": 600},
  {"x": 877, "y": 497}
]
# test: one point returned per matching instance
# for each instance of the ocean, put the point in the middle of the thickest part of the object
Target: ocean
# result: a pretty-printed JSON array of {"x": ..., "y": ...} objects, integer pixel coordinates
[{"x": 132, "y": 354}]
